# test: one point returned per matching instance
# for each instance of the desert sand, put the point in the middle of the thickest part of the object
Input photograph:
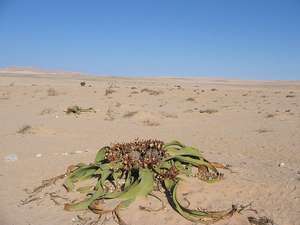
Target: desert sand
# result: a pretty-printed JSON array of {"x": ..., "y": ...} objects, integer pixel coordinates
[{"x": 254, "y": 126}]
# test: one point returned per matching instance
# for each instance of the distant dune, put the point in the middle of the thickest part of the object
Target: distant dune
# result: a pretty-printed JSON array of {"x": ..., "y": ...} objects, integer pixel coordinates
[{"x": 35, "y": 71}]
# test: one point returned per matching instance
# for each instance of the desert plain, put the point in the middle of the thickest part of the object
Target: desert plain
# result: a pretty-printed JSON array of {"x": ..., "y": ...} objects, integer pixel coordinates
[{"x": 253, "y": 126}]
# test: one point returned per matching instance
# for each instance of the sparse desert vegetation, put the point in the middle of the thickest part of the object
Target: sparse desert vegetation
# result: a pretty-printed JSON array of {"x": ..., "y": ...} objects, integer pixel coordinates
[
  {"x": 151, "y": 123},
  {"x": 249, "y": 132},
  {"x": 26, "y": 129},
  {"x": 209, "y": 111},
  {"x": 52, "y": 92},
  {"x": 109, "y": 90},
  {"x": 75, "y": 109},
  {"x": 151, "y": 92}
]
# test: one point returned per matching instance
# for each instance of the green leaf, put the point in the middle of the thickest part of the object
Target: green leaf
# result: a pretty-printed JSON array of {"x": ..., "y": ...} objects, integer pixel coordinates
[
  {"x": 174, "y": 144},
  {"x": 165, "y": 165},
  {"x": 85, "y": 189},
  {"x": 169, "y": 184},
  {"x": 194, "y": 215},
  {"x": 140, "y": 188},
  {"x": 85, "y": 203},
  {"x": 128, "y": 180},
  {"x": 186, "y": 151},
  {"x": 196, "y": 162},
  {"x": 82, "y": 173},
  {"x": 117, "y": 175},
  {"x": 183, "y": 168},
  {"x": 100, "y": 156},
  {"x": 104, "y": 175},
  {"x": 144, "y": 186}
]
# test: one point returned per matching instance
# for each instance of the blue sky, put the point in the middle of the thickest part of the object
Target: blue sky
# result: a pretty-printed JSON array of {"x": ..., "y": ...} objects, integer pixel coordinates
[{"x": 255, "y": 39}]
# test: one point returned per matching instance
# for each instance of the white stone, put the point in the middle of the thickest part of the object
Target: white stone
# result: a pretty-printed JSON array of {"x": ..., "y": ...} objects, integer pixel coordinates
[{"x": 11, "y": 158}]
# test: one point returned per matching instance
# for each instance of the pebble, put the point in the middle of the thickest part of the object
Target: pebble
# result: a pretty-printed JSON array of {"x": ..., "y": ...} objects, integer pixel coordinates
[
  {"x": 11, "y": 158},
  {"x": 56, "y": 116},
  {"x": 38, "y": 155},
  {"x": 281, "y": 164},
  {"x": 78, "y": 152},
  {"x": 65, "y": 153}
]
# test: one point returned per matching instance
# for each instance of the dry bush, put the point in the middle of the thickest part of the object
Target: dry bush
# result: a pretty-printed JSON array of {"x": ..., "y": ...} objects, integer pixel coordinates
[
  {"x": 25, "y": 129},
  {"x": 78, "y": 110},
  {"x": 109, "y": 90},
  {"x": 52, "y": 92}
]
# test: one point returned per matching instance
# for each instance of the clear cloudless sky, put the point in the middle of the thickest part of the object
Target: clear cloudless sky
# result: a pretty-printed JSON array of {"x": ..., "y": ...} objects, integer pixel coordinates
[{"x": 247, "y": 39}]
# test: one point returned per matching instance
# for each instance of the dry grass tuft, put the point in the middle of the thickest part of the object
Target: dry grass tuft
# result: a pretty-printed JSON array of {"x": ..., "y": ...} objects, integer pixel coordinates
[
  {"x": 150, "y": 123},
  {"x": 262, "y": 130},
  {"x": 190, "y": 99},
  {"x": 130, "y": 114},
  {"x": 109, "y": 90},
  {"x": 290, "y": 96},
  {"x": 151, "y": 92},
  {"x": 178, "y": 87},
  {"x": 78, "y": 110},
  {"x": 270, "y": 115},
  {"x": 209, "y": 111},
  {"x": 26, "y": 129},
  {"x": 261, "y": 221}
]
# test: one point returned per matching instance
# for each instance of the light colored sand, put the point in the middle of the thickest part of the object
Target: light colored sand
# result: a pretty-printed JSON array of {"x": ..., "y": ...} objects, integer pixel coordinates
[{"x": 256, "y": 127}]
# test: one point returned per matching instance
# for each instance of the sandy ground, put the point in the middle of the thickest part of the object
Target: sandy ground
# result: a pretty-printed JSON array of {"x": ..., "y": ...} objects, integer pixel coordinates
[{"x": 252, "y": 125}]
